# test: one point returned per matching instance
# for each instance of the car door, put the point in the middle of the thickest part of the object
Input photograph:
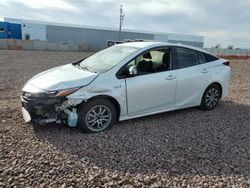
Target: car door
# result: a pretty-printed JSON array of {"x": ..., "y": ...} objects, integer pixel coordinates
[
  {"x": 193, "y": 76},
  {"x": 152, "y": 91}
]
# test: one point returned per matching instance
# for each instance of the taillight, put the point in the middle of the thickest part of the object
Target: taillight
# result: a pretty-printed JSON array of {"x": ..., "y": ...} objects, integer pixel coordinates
[{"x": 227, "y": 63}]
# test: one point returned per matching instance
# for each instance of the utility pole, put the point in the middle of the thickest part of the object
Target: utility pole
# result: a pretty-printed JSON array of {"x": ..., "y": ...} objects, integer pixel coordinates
[{"x": 121, "y": 22}]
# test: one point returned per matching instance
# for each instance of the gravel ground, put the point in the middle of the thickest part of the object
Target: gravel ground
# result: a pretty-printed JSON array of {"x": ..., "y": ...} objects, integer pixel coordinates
[{"x": 185, "y": 148}]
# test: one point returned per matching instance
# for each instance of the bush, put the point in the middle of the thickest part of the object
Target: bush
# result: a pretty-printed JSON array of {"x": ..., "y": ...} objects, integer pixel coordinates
[{"x": 27, "y": 36}]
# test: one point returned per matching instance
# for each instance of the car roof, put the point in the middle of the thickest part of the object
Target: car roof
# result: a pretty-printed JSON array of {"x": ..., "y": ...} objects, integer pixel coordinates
[{"x": 158, "y": 44}]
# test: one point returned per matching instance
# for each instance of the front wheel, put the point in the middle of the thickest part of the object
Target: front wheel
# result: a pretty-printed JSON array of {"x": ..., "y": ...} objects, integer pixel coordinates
[
  {"x": 96, "y": 116},
  {"x": 211, "y": 97}
]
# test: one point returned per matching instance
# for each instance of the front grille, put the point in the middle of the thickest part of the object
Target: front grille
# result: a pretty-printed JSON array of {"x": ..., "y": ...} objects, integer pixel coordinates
[{"x": 40, "y": 105}]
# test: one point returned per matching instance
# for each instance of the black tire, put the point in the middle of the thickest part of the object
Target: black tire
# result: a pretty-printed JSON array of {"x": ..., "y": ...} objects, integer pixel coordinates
[
  {"x": 87, "y": 111},
  {"x": 211, "y": 97}
]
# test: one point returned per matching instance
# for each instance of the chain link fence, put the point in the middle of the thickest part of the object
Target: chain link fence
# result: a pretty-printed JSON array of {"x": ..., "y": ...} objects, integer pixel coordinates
[{"x": 233, "y": 53}]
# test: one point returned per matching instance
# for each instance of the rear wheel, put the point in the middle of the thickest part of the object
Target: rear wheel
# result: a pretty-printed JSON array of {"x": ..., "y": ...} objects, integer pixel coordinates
[
  {"x": 211, "y": 97},
  {"x": 96, "y": 116}
]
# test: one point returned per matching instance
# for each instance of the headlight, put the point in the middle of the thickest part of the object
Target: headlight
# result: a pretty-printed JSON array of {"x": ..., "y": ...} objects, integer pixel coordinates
[
  {"x": 30, "y": 91},
  {"x": 66, "y": 92}
]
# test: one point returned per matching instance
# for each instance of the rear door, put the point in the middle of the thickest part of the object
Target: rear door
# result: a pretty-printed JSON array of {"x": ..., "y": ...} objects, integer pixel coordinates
[{"x": 193, "y": 76}]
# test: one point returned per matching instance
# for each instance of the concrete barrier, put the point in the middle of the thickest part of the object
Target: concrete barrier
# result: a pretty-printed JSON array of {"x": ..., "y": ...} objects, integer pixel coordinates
[
  {"x": 84, "y": 48},
  {"x": 27, "y": 45},
  {"x": 63, "y": 47},
  {"x": 74, "y": 47},
  {"x": 51, "y": 46},
  {"x": 4, "y": 44},
  {"x": 15, "y": 44},
  {"x": 40, "y": 45}
]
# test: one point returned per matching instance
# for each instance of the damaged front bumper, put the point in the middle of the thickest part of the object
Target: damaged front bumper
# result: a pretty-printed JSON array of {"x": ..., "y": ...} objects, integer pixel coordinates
[{"x": 46, "y": 109}]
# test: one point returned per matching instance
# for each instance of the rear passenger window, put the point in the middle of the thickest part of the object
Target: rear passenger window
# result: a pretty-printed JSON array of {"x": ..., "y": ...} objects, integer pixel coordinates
[
  {"x": 210, "y": 57},
  {"x": 183, "y": 57},
  {"x": 202, "y": 58}
]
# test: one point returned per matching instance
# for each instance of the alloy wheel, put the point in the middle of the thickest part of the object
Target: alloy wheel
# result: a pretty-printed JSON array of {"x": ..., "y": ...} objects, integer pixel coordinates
[
  {"x": 212, "y": 97},
  {"x": 98, "y": 118}
]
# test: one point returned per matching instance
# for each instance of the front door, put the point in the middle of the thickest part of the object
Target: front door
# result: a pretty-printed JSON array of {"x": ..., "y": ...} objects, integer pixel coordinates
[
  {"x": 152, "y": 92},
  {"x": 153, "y": 88}
]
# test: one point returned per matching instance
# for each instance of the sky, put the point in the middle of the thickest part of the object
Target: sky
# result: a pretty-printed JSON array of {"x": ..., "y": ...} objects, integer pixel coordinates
[{"x": 224, "y": 22}]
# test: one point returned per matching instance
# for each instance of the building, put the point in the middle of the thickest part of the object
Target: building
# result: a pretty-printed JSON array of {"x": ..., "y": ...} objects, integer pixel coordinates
[
  {"x": 10, "y": 30},
  {"x": 95, "y": 37}
]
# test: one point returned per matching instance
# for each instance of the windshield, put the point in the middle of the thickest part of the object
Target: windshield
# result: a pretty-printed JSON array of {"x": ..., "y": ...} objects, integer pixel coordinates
[{"x": 106, "y": 59}]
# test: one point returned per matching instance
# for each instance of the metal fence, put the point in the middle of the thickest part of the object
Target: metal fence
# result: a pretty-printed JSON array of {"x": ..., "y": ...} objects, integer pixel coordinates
[{"x": 229, "y": 52}]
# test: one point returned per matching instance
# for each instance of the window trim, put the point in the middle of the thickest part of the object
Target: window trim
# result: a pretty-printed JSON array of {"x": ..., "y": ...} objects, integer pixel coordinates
[
  {"x": 151, "y": 49},
  {"x": 201, "y": 53}
]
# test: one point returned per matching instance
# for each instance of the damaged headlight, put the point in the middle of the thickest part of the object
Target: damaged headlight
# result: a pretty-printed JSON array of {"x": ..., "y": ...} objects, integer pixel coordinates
[
  {"x": 30, "y": 91},
  {"x": 59, "y": 93},
  {"x": 66, "y": 92}
]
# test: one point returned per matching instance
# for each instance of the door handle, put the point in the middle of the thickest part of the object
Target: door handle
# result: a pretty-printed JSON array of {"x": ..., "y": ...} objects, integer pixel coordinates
[
  {"x": 170, "y": 77},
  {"x": 204, "y": 71}
]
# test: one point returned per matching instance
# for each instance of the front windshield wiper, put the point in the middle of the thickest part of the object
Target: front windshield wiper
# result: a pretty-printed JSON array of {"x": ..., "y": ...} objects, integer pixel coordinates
[
  {"x": 78, "y": 65},
  {"x": 88, "y": 68}
]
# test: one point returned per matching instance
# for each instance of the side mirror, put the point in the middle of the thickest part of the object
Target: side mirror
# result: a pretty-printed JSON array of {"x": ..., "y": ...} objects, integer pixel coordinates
[{"x": 132, "y": 70}]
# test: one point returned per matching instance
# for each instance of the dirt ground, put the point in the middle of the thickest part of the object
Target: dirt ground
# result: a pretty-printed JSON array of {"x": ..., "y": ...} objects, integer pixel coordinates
[{"x": 185, "y": 148}]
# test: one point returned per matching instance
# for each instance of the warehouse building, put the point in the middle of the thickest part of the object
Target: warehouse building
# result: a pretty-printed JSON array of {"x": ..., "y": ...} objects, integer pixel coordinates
[
  {"x": 95, "y": 37},
  {"x": 10, "y": 30}
]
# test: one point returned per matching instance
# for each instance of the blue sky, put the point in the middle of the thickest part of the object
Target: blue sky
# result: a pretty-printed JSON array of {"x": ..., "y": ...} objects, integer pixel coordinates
[{"x": 219, "y": 21}]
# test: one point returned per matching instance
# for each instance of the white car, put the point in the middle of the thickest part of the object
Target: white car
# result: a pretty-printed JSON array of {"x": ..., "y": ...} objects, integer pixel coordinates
[{"x": 126, "y": 81}]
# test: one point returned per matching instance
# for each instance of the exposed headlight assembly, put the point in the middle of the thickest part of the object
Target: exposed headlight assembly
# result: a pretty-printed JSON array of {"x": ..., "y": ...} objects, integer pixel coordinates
[
  {"x": 30, "y": 91},
  {"x": 66, "y": 92}
]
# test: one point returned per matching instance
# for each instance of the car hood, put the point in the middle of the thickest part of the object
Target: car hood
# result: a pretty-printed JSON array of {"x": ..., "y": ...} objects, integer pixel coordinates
[{"x": 63, "y": 77}]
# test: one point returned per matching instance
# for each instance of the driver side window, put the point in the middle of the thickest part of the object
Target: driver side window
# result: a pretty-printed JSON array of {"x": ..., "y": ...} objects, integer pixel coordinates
[{"x": 153, "y": 61}]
